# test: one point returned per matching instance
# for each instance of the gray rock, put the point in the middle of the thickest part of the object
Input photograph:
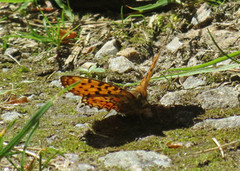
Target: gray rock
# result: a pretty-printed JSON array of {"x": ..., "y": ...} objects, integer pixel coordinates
[
  {"x": 193, "y": 61},
  {"x": 230, "y": 122},
  {"x": 82, "y": 126},
  {"x": 3, "y": 30},
  {"x": 120, "y": 64},
  {"x": 111, "y": 113},
  {"x": 135, "y": 160},
  {"x": 174, "y": 45},
  {"x": 88, "y": 65},
  {"x": 193, "y": 82},
  {"x": 152, "y": 19},
  {"x": 221, "y": 97},
  {"x": 70, "y": 162},
  {"x": 87, "y": 110},
  {"x": 10, "y": 55},
  {"x": 30, "y": 44},
  {"x": 52, "y": 138},
  {"x": 219, "y": 35},
  {"x": 83, "y": 167},
  {"x": 109, "y": 48},
  {"x": 129, "y": 53},
  {"x": 196, "y": 59},
  {"x": 10, "y": 116},
  {"x": 225, "y": 62},
  {"x": 71, "y": 157},
  {"x": 70, "y": 95},
  {"x": 5, "y": 70},
  {"x": 55, "y": 83},
  {"x": 11, "y": 51},
  {"x": 202, "y": 16},
  {"x": 173, "y": 98}
]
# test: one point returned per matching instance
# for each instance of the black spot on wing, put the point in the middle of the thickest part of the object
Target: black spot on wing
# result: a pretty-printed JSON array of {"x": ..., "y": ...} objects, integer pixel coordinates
[
  {"x": 106, "y": 86},
  {"x": 101, "y": 83},
  {"x": 115, "y": 88}
]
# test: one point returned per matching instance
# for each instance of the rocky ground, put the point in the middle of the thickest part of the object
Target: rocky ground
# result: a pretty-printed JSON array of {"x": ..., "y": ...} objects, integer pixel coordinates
[{"x": 191, "y": 111}]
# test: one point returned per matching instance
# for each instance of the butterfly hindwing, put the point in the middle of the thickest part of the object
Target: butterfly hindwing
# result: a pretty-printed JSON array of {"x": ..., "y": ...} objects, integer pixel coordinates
[{"x": 101, "y": 102}]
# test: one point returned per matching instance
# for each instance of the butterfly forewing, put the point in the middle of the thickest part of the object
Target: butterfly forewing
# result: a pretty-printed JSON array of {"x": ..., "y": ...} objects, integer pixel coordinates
[
  {"x": 89, "y": 86},
  {"x": 99, "y": 94}
]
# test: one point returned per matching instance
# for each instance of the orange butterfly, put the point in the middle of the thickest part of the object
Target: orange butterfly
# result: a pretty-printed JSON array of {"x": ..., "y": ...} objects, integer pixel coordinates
[{"x": 104, "y": 95}]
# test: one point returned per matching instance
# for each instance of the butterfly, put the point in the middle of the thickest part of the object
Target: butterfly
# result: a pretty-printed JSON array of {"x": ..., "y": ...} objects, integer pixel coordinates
[{"x": 100, "y": 94}]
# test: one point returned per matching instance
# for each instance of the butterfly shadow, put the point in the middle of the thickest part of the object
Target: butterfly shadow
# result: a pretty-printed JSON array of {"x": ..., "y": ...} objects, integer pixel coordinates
[{"x": 118, "y": 130}]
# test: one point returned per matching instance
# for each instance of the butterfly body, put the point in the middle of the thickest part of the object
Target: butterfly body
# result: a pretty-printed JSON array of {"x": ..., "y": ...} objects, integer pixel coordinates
[{"x": 104, "y": 95}]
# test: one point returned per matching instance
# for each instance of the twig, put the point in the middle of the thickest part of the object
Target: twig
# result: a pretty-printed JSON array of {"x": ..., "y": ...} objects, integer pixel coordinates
[
  {"x": 14, "y": 59},
  {"x": 219, "y": 146},
  {"x": 26, "y": 151},
  {"x": 51, "y": 75},
  {"x": 215, "y": 148}
]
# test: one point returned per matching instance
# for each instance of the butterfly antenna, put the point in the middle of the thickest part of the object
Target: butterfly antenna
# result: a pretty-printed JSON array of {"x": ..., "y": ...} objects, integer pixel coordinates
[{"x": 142, "y": 87}]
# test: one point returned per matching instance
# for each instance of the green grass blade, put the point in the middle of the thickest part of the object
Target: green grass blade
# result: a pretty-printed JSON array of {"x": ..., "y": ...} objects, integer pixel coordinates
[
  {"x": 3, "y": 132},
  {"x": 27, "y": 142},
  {"x": 196, "y": 71},
  {"x": 55, "y": 152},
  {"x": 66, "y": 8},
  {"x": 16, "y": 1},
  {"x": 159, "y": 3},
  {"x": 1, "y": 142},
  {"x": 31, "y": 36},
  {"x": 40, "y": 162},
  {"x": 12, "y": 163},
  {"x": 213, "y": 62}
]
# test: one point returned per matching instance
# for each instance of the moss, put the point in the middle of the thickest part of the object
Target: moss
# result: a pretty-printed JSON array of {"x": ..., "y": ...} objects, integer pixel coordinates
[
  {"x": 218, "y": 113},
  {"x": 138, "y": 38},
  {"x": 23, "y": 69},
  {"x": 217, "y": 77}
]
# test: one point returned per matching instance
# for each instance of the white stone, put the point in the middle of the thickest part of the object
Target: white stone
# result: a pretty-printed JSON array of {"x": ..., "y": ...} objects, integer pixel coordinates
[
  {"x": 9, "y": 116},
  {"x": 136, "y": 160},
  {"x": 109, "y": 48},
  {"x": 120, "y": 64},
  {"x": 174, "y": 45}
]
